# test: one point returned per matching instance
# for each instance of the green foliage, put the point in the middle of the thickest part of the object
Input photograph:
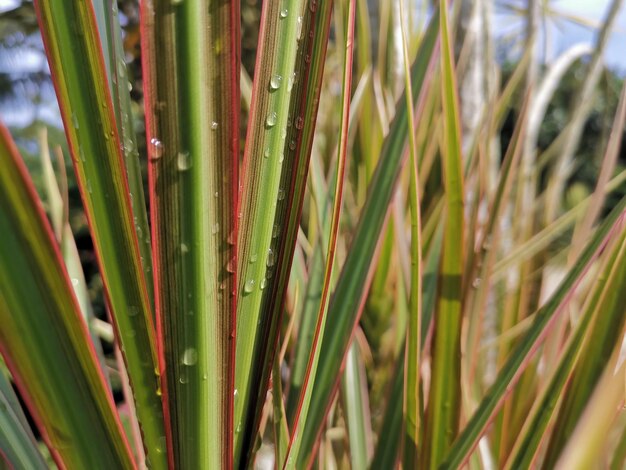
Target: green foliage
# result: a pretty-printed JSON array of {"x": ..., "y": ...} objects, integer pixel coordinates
[{"x": 265, "y": 279}]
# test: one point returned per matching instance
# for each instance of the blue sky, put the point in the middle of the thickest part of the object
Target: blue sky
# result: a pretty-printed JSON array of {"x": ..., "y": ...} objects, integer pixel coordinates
[{"x": 564, "y": 33}]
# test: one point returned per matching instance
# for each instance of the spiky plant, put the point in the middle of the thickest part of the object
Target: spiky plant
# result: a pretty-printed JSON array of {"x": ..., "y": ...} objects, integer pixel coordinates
[{"x": 364, "y": 285}]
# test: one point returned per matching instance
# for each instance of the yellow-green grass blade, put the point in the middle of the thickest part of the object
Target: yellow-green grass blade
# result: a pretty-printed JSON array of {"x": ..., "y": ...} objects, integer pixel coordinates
[
  {"x": 43, "y": 337},
  {"x": 587, "y": 449},
  {"x": 390, "y": 435},
  {"x": 605, "y": 332},
  {"x": 351, "y": 287},
  {"x": 192, "y": 69},
  {"x": 607, "y": 299},
  {"x": 412, "y": 406},
  {"x": 305, "y": 83},
  {"x": 58, "y": 212},
  {"x": 120, "y": 92},
  {"x": 281, "y": 431},
  {"x": 355, "y": 404},
  {"x": 527, "y": 346},
  {"x": 18, "y": 447},
  {"x": 280, "y": 37},
  {"x": 295, "y": 445},
  {"x": 444, "y": 399},
  {"x": 72, "y": 46}
]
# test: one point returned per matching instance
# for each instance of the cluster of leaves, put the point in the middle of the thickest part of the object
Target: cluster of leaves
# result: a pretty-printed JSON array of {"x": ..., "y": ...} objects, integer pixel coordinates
[{"x": 366, "y": 285}]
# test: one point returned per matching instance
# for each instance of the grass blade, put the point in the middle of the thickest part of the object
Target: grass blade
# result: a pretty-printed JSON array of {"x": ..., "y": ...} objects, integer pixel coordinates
[
  {"x": 72, "y": 45},
  {"x": 191, "y": 59},
  {"x": 18, "y": 447},
  {"x": 607, "y": 299},
  {"x": 300, "y": 419},
  {"x": 353, "y": 280},
  {"x": 356, "y": 409},
  {"x": 40, "y": 319},
  {"x": 281, "y": 28},
  {"x": 521, "y": 354},
  {"x": 443, "y": 411},
  {"x": 412, "y": 406},
  {"x": 306, "y": 81}
]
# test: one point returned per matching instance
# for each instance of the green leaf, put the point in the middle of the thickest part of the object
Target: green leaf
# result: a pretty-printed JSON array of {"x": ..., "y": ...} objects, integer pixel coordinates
[
  {"x": 305, "y": 81},
  {"x": 607, "y": 300},
  {"x": 191, "y": 67},
  {"x": 280, "y": 33},
  {"x": 443, "y": 411},
  {"x": 351, "y": 286},
  {"x": 18, "y": 446},
  {"x": 72, "y": 44},
  {"x": 527, "y": 345},
  {"x": 355, "y": 403},
  {"x": 300, "y": 419},
  {"x": 40, "y": 321}
]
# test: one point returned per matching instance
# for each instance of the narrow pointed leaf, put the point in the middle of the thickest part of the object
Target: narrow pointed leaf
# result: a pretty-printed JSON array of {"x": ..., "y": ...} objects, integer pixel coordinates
[
  {"x": 192, "y": 69},
  {"x": 72, "y": 45},
  {"x": 39, "y": 321},
  {"x": 521, "y": 354},
  {"x": 18, "y": 446},
  {"x": 353, "y": 281},
  {"x": 281, "y": 26},
  {"x": 607, "y": 299},
  {"x": 302, "y": 411}
]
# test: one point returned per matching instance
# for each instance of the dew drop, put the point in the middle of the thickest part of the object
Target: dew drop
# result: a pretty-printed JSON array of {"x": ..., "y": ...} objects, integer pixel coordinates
[
  {"x": 271, "y": 119},
  {"x": 249, "y": 286},
  {"x": 190, "y": 357},
  {"x": 75, "y": 282},
  {"x": 476, "y": 282},
  {"x": 184, "y": 248},
  {"x": 291, "y": 81},
  {"x": 292, "y": 145},
  {"x": 214, "y": 126},
  {"x": 184, "y": 161},
  {"x": 284, "y": 12},
  {"x": 157, "y": 148},
  {"x": 231, "y": 265},
  {"x": 215, "y": 228},
  {"x": 266, "y": 154},
  {"x": 216, "y": 194},
  {"x": 74, "y": 121},
  {"x": 275, "y": 82},
  {"x": 121, "y": 68},
  {"x": 281, "y": 194},
  {"x": 81, "y": 154},
  {"x": 253, "y": 258},
  {"x": 299, "y": 122},
  {"x": 299, "y": 27},
  {"x": 89, "y": 188},
  {"x": 183, "y": 378},
  {"x": 275, "y": 230},
  {"x": 271, "y": 259},
  {"x": 263, "y": 283}
]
